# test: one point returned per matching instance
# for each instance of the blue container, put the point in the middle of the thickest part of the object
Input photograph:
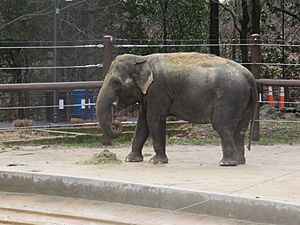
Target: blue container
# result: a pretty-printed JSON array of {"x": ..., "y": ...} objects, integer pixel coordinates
[{"x": 80, "y": 110}]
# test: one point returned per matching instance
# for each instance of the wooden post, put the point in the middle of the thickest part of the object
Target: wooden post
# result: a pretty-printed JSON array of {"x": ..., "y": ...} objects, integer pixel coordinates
[
  {"x": 107, "y": 59},
  {"x": 107, "y": 54},
  {"x": 255, "y": 69}
]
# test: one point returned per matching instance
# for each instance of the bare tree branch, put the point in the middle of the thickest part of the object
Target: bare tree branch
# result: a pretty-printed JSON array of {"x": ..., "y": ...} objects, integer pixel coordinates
[
  {"x": 75, "y": 27},
  {"x": 26, "y": 16},
  {"x": 39, "y": 13},
  {"x": 232, "y": 13},
  {"x": 288, "y": 13}
]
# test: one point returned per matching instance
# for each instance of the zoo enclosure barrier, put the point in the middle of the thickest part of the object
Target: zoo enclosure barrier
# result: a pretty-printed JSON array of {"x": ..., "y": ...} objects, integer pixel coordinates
[{"x": 108, "y": 51}]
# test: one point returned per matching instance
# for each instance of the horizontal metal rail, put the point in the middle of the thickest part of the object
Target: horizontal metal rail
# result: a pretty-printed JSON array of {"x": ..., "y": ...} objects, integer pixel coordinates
[
  {"x": 51, "y": 67},
  {"x": 84, "y": 105},
  {"x": 52, "y": 47},
  {"x": 271, "y": 64},
  {"x": 199, "y": 45},
  {"x": 98, "y": 84},
  {"x": 133, "y": 123},
  {"x": 47, "y": 106},
  {"x": 101, "y": 65}
]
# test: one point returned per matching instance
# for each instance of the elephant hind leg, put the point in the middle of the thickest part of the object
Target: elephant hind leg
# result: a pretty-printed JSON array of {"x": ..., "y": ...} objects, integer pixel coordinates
[
  {"x": 240, "y": 136},
  {"x": 226, "y": 130},
  {"x": 226, "y": 124},
  {"x": 228, "y": 146}
]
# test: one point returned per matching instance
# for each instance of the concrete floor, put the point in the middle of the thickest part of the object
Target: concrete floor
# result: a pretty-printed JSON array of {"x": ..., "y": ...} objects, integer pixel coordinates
[
  {"x": 37, "y": 209},
  {"x": 271, "y": 172}
]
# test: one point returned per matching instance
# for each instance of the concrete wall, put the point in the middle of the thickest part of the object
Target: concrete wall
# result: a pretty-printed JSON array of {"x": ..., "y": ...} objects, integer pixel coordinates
[{"x": 183, "y": 200}]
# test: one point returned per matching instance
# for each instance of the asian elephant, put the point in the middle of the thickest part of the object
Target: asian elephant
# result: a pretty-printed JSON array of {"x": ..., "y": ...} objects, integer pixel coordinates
[{"x": 199, "y": 88}]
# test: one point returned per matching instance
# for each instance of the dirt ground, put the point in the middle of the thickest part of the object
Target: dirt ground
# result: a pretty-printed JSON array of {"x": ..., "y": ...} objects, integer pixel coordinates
[{"x": 271, "y": 172}]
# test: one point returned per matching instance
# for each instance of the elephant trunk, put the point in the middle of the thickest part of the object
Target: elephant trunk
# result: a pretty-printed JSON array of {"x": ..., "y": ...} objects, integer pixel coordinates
[{"x": 104, "y": 104}]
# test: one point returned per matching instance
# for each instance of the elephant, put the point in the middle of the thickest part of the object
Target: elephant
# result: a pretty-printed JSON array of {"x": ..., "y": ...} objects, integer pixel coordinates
[{"x": 195, "y": 87}]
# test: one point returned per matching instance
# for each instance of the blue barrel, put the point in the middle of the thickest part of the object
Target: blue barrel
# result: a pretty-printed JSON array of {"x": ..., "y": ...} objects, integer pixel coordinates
[{"x": 78, "y": 100}]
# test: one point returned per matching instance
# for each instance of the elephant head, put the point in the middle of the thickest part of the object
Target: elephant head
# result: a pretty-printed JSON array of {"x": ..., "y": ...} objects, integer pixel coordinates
[{"x": 126, "y": 82}]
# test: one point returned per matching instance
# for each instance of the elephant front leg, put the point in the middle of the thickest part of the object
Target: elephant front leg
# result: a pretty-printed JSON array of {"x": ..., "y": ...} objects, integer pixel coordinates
[
  {"x": 140, "y": 136},
  {"x": 158, "y": 133}
]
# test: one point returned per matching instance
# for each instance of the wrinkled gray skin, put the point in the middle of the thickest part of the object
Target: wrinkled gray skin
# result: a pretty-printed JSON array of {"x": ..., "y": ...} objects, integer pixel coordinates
[{"x": 195, "y": 87}]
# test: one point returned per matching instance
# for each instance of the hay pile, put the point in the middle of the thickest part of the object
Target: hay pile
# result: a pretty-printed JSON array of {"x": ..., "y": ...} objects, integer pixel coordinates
[{"x": 104, "y": 157}]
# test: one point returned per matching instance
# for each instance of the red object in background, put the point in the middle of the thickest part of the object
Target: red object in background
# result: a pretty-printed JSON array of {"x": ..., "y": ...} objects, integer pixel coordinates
[
  {"x": 270, "y": 97},
  {"x": 281, "y": 98}
]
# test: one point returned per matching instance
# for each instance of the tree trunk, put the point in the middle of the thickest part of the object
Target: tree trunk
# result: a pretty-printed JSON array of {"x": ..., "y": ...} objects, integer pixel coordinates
[
  {"x": 164, "y": 10},
  {"x": 256, "y": 11},
  {"x": 214, "y": 28},
  {"x": 244, "y": 20}
]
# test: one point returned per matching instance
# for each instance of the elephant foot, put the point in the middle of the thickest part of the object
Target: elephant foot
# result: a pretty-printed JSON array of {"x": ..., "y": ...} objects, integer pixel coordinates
[
  {"x": 241, "y": 160},
  {"x": 134, "y": 157},
  {"x": 158, "y": 159},
  {"x": 228, "y": 162}
]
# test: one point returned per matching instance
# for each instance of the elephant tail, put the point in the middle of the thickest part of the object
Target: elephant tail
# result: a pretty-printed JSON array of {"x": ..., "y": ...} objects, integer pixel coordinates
[{"x": 253, "y": 103}]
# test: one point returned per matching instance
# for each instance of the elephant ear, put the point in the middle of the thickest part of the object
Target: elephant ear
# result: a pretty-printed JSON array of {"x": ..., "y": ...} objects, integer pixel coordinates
[{"x": 144, "y": 75}]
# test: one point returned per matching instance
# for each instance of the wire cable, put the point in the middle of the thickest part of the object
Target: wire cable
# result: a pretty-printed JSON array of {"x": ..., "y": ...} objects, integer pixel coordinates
[
  {"x": 52, "y": 47},
  {"x": 51, "y": 67},
  {"x": 296, "y": 103},
  {"x": 198, "y": 45},
  {"x": 271, "y": 64},
  {"x": 46, "y": 106}
]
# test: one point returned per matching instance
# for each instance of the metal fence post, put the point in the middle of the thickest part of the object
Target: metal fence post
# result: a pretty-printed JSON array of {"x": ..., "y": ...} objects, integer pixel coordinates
[
  {"x": 255, "y": 69},
  {"x": 107, "y": 59}
]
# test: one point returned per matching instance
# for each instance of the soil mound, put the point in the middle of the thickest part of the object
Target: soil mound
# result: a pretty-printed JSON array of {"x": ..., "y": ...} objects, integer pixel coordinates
[{"x": 104, "y": 157}]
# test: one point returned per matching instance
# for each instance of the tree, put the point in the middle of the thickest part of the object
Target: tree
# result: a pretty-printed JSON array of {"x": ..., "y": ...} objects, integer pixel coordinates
[
  {"x": 256, "y": 16},
  {"x": 163, "y": 22},
  {"x": 31, "y": 22},
  {"x": 17, "y": 26},
  {"x": 214, "y": 27},
  {"x": 245, "y": 16}
]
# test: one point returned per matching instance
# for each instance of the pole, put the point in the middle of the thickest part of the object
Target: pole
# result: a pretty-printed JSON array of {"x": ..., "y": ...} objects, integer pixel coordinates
[
  {"x": 286, "y": 90},
  {"x": 255, "y": 69},
  {"x": 56, "y": 11},
  {"x": 107, "y": 54},
  {"x": 282, "y": 35}
]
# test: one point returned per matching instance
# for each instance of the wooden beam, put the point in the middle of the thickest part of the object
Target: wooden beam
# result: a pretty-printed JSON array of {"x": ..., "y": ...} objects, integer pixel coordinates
[{"x": 51, "y": 86}]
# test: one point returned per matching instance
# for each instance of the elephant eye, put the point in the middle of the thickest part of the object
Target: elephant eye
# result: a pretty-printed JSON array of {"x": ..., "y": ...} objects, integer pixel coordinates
[{"x": 116, "y": 83}]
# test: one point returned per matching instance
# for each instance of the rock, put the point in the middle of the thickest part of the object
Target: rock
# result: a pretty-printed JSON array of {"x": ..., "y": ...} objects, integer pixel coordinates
[
  {"x": 273, "y": 113},
  {"x": 268, "y": 112},
  {"x": 288, "y": 115},
  {"x": 289, "y": 110}
]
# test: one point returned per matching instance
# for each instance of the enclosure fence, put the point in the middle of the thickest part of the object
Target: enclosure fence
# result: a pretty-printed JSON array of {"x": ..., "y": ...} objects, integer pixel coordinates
[{"x": 76, "y": 99}]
